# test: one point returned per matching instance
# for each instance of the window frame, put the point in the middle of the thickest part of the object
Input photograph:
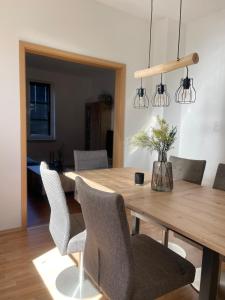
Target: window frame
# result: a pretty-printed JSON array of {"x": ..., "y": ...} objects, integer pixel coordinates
[{"x": 41, "y": 137}]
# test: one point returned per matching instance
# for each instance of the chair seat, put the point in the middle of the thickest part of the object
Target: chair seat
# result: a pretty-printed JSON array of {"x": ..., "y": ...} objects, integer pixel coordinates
[
  {"x": 77, "y": 243},
  {"x": 77, "y": 234},
  {"x": 158, "y": 270},
  {"x": 77, "y": 223}
]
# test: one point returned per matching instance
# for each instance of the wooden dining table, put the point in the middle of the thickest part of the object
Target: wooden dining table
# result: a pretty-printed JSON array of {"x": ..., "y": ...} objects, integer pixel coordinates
[{"x": 195, "y": 212}]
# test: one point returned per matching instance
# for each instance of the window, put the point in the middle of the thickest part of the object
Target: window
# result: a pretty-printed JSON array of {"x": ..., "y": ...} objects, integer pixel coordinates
[{"x": 41, "y": 112}]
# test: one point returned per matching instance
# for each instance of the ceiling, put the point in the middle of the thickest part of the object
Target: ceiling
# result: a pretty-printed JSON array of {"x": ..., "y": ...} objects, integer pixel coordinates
[{"x": 192, "y": 9}]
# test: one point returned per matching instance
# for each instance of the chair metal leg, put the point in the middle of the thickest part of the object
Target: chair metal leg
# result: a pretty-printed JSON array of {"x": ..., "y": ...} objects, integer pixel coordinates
[
  {"x": 172, "y": 246},
  {"x": 81, "y": 267},
  {"x": 72, "y": 282},
  {"x": 135, "y": 225},
  {"x": 197, "y": 280},
  {"x": 166, "y": 237}
]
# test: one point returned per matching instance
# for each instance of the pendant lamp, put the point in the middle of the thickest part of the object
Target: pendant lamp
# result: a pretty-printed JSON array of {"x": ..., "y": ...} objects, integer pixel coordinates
[
  {"x": 186, "y": 93},
  {"x": 141, "y": 99},
  {"x": 161, "y": 97}
]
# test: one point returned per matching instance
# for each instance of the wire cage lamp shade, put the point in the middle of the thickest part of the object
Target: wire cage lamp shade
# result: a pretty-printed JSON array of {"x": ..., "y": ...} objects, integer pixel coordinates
[
  {"x": 141, "y": 99},
  {"x": 186, "y": 93},
  {"x": 161, "y": 97}
]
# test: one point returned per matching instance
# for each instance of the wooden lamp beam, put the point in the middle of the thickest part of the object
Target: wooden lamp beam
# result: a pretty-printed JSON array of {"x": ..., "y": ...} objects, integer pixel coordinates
[{"x": 168, "y": 67}]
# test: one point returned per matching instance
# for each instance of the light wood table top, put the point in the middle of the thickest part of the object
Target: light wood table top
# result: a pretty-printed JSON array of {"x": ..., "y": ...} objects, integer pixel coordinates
[{"x": 194, "y": 211}]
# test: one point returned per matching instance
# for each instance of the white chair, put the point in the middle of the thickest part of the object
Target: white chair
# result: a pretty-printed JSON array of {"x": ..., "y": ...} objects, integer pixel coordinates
[{"x": 69, "y": 235}]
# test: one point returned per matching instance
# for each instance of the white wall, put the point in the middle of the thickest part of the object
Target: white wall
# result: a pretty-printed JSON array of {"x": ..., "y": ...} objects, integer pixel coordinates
[
  {"x": 203, "y": 123},
  {"x": 201, "y": 126},
  {"x": 81, "y": 26},
  {"x": 72, "y": 90}
]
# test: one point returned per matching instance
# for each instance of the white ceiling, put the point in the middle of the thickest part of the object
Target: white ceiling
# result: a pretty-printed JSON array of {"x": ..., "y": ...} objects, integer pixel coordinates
[{"x": 192, "y": 9}]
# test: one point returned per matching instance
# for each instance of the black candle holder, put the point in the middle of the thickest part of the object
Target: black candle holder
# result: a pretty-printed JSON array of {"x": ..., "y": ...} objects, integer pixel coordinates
[{"x": 139, "y": 178}]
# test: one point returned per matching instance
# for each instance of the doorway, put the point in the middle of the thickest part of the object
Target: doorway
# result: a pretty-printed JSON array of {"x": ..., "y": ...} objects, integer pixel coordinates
[{"x": 118, "y": 127}]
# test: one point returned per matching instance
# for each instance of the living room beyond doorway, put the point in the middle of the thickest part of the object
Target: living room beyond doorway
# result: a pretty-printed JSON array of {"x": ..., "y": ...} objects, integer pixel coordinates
[{"x": 69, "y": 106}]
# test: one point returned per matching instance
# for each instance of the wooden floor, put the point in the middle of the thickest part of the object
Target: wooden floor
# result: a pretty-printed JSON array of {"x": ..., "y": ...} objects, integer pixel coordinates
[
  {"x": 20, "y": 280},
  {"x": 38, "y": 210}
]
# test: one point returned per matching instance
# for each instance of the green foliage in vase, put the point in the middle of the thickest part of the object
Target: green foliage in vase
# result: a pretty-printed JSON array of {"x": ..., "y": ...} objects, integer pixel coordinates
[{"x": 162, "y": 138}]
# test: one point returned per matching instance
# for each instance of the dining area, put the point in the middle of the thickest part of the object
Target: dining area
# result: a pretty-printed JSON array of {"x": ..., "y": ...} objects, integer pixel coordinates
[
  {"x": 116, "y": 257},
  {"x": 112, "y": 150}
]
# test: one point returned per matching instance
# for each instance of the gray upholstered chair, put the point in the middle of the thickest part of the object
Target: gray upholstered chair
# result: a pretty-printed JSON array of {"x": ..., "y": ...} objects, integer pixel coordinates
[
  {"x": 89, "y": 160},
  {"x": 191, "y": 170},
  {"x": 219, "y": 184},
  {"x": 68, "y": 232},
  {"x": 126, "y": 267}
]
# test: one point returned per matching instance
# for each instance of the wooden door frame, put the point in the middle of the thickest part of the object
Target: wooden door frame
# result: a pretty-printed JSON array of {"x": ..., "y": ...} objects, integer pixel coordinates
[{"x": 119, "y": 105}]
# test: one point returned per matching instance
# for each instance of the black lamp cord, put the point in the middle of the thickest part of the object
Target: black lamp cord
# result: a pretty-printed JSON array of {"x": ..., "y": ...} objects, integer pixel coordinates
[
  {"x": 179, "y": 32},
  {"x": 187, "y": 71},
  {"x": 150, "y": 36}
]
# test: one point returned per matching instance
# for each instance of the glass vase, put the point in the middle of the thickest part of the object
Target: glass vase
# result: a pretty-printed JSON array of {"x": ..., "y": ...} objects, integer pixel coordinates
[{"x": 162, "y": 175}]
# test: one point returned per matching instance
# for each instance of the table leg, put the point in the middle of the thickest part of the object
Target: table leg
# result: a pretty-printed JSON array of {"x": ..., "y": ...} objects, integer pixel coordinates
[
  {"x": 135, "y": 223},
  {"x": 211, "y": 263},
  {"x": 166, "y": 237}
]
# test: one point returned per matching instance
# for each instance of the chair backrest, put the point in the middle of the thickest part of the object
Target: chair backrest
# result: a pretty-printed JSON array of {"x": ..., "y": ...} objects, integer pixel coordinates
[
  {"x": 59, "y": 225},
  {"x": 108, "y": 255},
  {"x": 191, "y": 170},
  {"x": 88, "y": 160},
  {"x": 219, "y": 182}
]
